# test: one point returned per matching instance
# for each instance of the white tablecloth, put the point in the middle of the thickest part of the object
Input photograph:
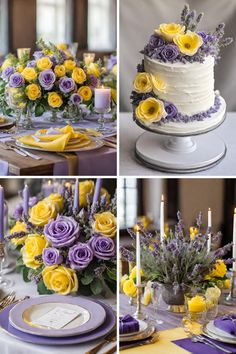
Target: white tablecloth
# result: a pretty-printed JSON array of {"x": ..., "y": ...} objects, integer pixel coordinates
[{"x": 129, "y": 132}]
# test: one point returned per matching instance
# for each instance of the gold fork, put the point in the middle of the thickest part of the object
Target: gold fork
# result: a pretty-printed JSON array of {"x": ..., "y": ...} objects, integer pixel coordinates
[
  {"x": 109, "y": 338},
  {"x": 7, "y": 300}
]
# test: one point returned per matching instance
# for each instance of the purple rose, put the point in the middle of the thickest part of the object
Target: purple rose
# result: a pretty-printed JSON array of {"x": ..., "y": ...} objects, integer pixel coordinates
[
  {"x": 16, "y": 80},
  {"x": 51, "y": 256},
  {"x": 66, "y": 84},
  {"x": 155, "y": 42},
  {"x": 47, "y": 79},
  {"x": 38, "y": 54},
  {"x": 7, "y": 73},
  {"x": 103, "y": 247},
  {"x": 170, "y": 52},
  {"x": 75, "y": 99},
  {"x": 62, "y": 232},
  {"x": 171, "y": 110},
  {"x": 31, "y": 64},
  {"x": 80, "y": 255}
]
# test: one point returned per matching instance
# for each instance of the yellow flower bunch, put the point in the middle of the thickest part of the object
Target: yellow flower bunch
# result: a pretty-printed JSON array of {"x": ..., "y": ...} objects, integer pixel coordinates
[
  {"x": 44, "y": 63},
  {"x": 105, "y": 223},
  {"x": 197, "y": 304},
  {"x": 33, "y": 92},
  {"x": 69, "y": 64},
  {"x": 57, "y": 199},
  {"x": 169, "y": 30},
  {"x": 42, "y": 212},
  {"x": 150, "y": 110},
  {"x": 128, "y": 283},
  {"x": 60, "y": 70},
  {"x": 33, "y": 247},
  {"x": 78, "y": 75},
  {"x": 93, "y": 69},
  {"x": 29, "y": 74},
  {"x": 54, "y": 100},
  {"x": 60, "y": 279},
  {"x": 188, "y": 43},
  {"x": 219, "y": 270},
  {"x": 85, "y": 92}
]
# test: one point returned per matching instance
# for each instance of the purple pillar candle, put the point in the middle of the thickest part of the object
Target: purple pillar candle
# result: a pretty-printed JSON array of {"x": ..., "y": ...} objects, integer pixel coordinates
[
  {"x": 1, "y": 213},
  {"x": 97, "y": 191},
  {"x": 102, "y": 98},
  {"x": 76, "y": 196},
  {"x": 26, "y": 200},
  {"x": 48, "y": 188}
]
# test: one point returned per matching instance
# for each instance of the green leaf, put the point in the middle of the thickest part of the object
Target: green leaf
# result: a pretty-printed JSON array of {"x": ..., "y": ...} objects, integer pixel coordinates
[
  {"x": 111, "y": 272},
  {"x": 111, "y": 285},
  {"x": 42, "y": 290},
  {"x": 96, "y": 286},
  {"x": 87, "y": 279},
  {"x": 25, "y": 273},
  {"x": 39, "y": 110},
  {"x": 19, "y": 262}
]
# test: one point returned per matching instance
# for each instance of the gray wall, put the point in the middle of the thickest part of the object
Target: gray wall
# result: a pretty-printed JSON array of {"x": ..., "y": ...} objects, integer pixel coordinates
[{"x": 138, "y": 19}]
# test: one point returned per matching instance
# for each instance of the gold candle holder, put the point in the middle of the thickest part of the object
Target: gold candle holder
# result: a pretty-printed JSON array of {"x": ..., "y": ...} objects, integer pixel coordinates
[{"x": 139, "y": 315}]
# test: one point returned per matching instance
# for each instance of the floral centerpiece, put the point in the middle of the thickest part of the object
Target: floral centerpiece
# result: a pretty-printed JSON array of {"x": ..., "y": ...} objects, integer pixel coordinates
[
  {"x": 109, "y": 78},
  {"x": 66, "y": 250}
]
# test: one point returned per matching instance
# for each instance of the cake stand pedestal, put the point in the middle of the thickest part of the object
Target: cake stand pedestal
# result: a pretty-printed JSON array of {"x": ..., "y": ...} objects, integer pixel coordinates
[{"x": 178, "y": 154}]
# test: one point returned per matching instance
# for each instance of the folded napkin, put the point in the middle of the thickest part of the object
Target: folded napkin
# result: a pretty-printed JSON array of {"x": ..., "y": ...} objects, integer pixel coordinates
[
  {"x": 128, "y": 324},
  {"x": 201, "y": 348},
  {"x": 56, "y": 139},
  {"x": 227, "y": 324},
  {"x": 4, "y": 166}
]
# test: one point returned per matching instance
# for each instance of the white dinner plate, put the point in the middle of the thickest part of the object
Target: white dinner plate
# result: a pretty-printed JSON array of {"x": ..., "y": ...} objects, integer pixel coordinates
[
  {"x": 7, "y": 123},
  {"x": 142, "y": 327},
  {"x": 211, "y": 328}
]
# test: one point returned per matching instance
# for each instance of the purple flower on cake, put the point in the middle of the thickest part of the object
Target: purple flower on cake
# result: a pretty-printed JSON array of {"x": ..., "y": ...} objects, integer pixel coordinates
[
  {"x": 80, "y": 255},
  {"x": 155, "y": 42},
  {"x": 169, "y": 52},
  {"x": 171, "y": 110},
  {"x": 51, "y": 256},
  {"x": 66, "y": 84},
  {"x": 16, "y": 80},
  {"x": 31, "y": 64},
  {"x": 6, "y": 73},
  {"x": 38, "y": 54},
  {"x": 47, "y": 79},
  {"x": 62, "y": 232},
  {"x": 75, "y": 99},
  {"x": 103, "y": 247}
]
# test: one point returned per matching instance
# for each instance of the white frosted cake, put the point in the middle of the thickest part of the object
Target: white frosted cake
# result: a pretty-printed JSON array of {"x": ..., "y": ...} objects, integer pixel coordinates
[{"x": 174, "y": 88}]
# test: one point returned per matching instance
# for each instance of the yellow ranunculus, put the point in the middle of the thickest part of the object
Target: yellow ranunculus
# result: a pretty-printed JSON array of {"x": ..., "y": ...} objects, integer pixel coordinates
[
  {"x": 69, "y": 64},
  {"x": 150, "y": 110},
  {"x": 129, "y": 288},
  {"x": 219, "y": 271},
  {"x": 34, "y": 245},
  {"x": 169, "y": 30},
  {"x": 60, "y": 279},
  {"x": 57, "y": 199},
  {"x": 188, "y": 43},
  {"x": 105, "y": 224},
  {"x": 44, "y": 63},
  {"x": 114, "y": 95},
  {"x": 133, "y": 273},
  {"x": 78, "y": 75},
  {"x": 114, "y": 70},
  {"x": 18, "y": 227},
  {"x": 122, "y": 280},
  {"x": 29, "y": 74},
  {"x": 193, "y": 232},
  {"x": 19, "y": 68},
  {"x": 60, "y": 70},
  {"x": 93, "y": 69},
  {"x": 85, "y": 187},
  {"x": 142, "y": 83},
  {"x": 42, "y": 212},
  {"x": 62, "y": 46},
  {"x": 197, "y": 304},
  {"x": 54, "y": 100},
  {"x": 33, "y": 91},
  {"x": 158, "y": 84},
  {"x": 85, "y": 92}
]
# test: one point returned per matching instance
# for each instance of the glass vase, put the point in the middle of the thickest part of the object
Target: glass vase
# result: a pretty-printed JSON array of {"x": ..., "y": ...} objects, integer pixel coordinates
[
  {"x": 53, "y": 116},
  {"x": 25, "y": 120}
]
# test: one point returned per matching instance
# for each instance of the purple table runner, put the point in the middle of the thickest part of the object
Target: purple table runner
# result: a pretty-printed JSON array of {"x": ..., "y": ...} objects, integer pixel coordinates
[{"x": 201, "y": 348}]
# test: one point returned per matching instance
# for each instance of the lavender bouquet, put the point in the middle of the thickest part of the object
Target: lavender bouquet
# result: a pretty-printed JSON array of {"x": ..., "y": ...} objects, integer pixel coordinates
[{"x": 64, "y": 249}]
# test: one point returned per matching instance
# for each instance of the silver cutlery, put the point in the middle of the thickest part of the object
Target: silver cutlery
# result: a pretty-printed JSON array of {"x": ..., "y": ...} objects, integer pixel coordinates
[
  {"x": 150, "y": 340},
  {"x": 33, "y": 156},
  {"x": 7, "y": 147},
  {"x": 109, "y": 338},
  {"x": 7, "y": 300},
  {"x": 208, "y": 342}
]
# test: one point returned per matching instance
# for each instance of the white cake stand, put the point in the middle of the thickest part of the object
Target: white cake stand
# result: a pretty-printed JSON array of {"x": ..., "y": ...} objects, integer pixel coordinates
[{"x": 176, "y": 152}]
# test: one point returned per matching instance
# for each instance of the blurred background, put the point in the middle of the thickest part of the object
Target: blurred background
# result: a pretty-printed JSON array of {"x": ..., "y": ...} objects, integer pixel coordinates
[
  {"x": 138, "y": 197},
  {"x": 91, "y": 23},
  {"x": 139, "y": 18}
]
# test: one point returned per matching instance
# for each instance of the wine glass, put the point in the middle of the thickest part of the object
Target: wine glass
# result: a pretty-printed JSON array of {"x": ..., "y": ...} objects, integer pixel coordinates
[{"x": 156, "y": 299}]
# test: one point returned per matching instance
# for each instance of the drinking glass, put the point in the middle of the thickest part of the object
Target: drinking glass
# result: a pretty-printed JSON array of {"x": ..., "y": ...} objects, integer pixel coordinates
[
  {"x": 196, "y": 312},
  {"x": 156, "y": 299}
]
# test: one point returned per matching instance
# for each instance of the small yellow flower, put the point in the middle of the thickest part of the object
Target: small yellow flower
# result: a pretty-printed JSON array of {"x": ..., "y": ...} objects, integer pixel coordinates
[
  {"x": 85, "y": 92},
  {"x": 158, "y": 84},
  {"x": 197, "y": 304},
  {"x": 188, "y": 43},
  {"x": 78, "y": 75},
  {"x": 60, "y": 70},
  {"x": 129, "y": 288},
  {"x": 34, "y": 245},
  {"x": 69, "y": 64},
  {"x": 144, "y": 220},
  {"x": 193, "y": 232},
  {"x": 133, "y": 273},
  {"x": 150, "y": 110},
  {"x": 227, "y": 284},
  {"x": 57, "y": 199},
  {"x": 18, "y": 227},
  {"x": 142, "y": 83},
  {"x": 42, "y": 212},
  {"x": 105, "y": 224},
  {"x": 122, "y": 280},
  {"x": 60, "y": 279},
  {"x": 44, "y": 63},
  {"x": 93, "y": 69},
  {"x": 219, "y": 270},
  {"x": 19, "y": 68},
  {"x": 33, "y": 92},
  {"x": 62, "y": 46},
  {"x": 29, "y": 74},
  {"x": 54, "y": 100},
  {"x": 169, "y": 30},
  {"x": 85, "y": 188}
]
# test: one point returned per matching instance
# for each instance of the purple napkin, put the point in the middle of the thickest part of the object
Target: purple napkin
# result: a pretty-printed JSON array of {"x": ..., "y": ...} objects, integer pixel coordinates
[
  {"x": 128, "y": 324},
  {"x": 227, "y": 324},
  {"x": 201, "y": 348}
]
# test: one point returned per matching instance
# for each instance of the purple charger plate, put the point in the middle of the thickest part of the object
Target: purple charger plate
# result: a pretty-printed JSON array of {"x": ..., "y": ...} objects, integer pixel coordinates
[
  {"x": 99, "y": 332},
  {"x": 97, "y": 315}
]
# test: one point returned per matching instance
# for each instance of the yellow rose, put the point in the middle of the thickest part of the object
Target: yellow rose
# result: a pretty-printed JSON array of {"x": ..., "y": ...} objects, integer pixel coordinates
[
  {"x": 34, "y": 245},
  {"x": 150, "y": 110},
  {"x": 105, "y": 223},
  {"x": 62, "y": 46},
  {"x": 85, "y": 187},
  {"x": 114, "y": 95},
  {"x": 85, "y": 92},
  {"x": 19, "y": 68},
  {"x": 129, "y": 288},
  {"x": 169, "y": 30},
  {"x": 18, "y": 227},
  {"x": 60, "y": 279},
  {"x": 188, "y": 43},
  {"x": 29, "y": 74},
  {"x": 69, "y": 64},
  {"x": 197, "y": 304},
  {"x": 57, "y": 199},
  {"x": 54, "y": 100},
  {"x": 78, "y": 75},
  {"x": 44, "y": 63},
  {"x": 60, "y": 70},
  {"x": 133, "y": 273},
  {"x": 158, "y": 84},
  {"x": 33, "y": 91},
  {"x": 122, "y": 280},
  {"x": 142, "y": 83},
  {"x": 93, "y": 69},
  {"x": 42, "y": 212},
  {"x": 220, "y": 269},
  {"x": 114, "y": 70}
]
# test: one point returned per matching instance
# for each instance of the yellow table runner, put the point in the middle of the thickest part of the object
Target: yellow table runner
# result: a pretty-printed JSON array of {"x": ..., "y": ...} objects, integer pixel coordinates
[{"x": 163, "y": 345}]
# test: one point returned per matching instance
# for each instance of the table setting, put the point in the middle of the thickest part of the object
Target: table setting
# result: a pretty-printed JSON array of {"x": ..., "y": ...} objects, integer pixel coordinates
[
  {"x": 178, "y": 296},
  {"x": 61, "y": 292}
]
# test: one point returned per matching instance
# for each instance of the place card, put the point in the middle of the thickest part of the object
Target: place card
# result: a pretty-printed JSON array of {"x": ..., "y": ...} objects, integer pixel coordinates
[{"x": 57, "y": 318}]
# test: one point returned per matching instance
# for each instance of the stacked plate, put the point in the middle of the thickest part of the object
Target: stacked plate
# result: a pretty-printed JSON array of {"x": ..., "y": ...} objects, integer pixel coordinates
[
  {"x": 145, "y": 331},
  {"x": 57, "y": 320},
  {"x": 215, "y": 333}
]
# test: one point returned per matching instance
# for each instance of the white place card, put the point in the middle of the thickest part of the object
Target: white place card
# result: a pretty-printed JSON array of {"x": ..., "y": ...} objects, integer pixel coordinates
[{"x": 57, "y": 318}]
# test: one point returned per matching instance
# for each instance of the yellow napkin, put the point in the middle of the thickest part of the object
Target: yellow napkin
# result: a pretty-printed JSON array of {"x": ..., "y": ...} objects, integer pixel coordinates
[{"x": 66, "y": 138}]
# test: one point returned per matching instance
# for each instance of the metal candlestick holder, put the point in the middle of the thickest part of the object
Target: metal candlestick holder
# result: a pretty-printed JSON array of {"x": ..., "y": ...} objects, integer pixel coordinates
[
  {"x": 101, "y": 120},
  {"x": 139, "y": 315},
  {"x": 231, "y": 298}
]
